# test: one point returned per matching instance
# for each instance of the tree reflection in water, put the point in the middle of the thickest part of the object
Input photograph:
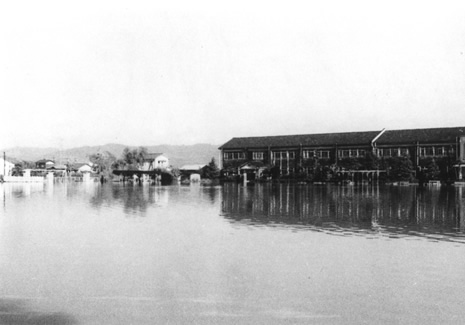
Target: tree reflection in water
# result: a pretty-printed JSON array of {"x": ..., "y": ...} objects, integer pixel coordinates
[
  {"x": 134, "y": 199},
  {"x": 434, "y": 213}
]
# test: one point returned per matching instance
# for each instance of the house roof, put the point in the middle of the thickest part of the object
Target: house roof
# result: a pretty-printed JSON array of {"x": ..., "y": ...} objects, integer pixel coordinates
[
  {"x": 76, "y": 166},
  {"x": 60, "y": 166},
  {"x": 306, "y": 140},
  {"x": 437, "y": 135},
  {"x": 192, "y": 167},
  {"x": 252, "y": 165},
  {"x": 152, "y": 156},
  {"x": 44, "y": 161}
]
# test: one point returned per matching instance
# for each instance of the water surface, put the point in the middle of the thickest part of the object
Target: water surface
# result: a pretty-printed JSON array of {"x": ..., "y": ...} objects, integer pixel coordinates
[{"x": 269, "y": 254}]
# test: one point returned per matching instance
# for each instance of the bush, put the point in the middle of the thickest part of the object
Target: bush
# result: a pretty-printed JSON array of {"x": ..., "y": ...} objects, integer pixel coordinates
[{"x": 399, "y": 168}]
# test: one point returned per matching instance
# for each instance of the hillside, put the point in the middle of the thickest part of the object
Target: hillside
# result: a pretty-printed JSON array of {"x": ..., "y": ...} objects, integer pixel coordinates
[{"x": 178, "y": 154}]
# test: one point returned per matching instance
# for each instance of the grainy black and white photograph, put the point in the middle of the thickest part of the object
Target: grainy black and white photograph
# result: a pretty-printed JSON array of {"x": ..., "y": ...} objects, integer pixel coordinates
[{"x": 232, "y": 162}]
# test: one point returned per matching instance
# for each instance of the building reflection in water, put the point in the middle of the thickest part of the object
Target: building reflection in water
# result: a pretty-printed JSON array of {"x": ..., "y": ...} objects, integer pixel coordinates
[
  {"x": 436, "y": 213},
  {"x": 134, "y": 199},
  {"x": 19, "y": 190}
]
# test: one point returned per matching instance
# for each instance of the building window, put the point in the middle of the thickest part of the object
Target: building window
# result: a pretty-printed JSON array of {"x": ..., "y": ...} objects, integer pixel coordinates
[
  {"x": 346, "y": 153},
  {"x": 283, "y": 155},
  {"x": 306, "y": 154},
  {"x": 383, "y": 152},
  {"x": 233, "y": 155},
  {"x": 393, "y": 152},
  {"x": 426, "y": 151},
  {"x": 404, "y": 152},
  {"x": 257, "y": 155},
  {"x": 434, "y": 151},
  {"x": 323, "y": 154}
]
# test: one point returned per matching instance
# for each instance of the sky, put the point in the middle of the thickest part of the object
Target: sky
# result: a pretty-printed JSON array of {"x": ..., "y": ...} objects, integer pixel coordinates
[{"x": 185, "y": 72}]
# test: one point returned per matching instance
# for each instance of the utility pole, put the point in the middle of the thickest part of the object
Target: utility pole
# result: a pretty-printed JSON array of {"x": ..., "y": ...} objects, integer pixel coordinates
[{"x": 4, "y": 157}]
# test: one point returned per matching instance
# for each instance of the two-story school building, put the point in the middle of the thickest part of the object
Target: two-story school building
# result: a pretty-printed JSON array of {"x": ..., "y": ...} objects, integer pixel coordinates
[{"x": 290, "y": 152}]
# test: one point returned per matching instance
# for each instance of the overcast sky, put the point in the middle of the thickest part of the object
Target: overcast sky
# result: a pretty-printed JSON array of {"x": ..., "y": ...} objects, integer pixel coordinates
[{"x": 90, "y": 73}]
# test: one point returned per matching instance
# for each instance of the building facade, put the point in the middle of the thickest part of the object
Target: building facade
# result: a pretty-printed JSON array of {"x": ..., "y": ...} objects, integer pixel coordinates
[
  {"x": 6, "y": 167},
  {"x": 44, "y": 164},
  {"x": 292, "y": 153},
  {"x": 154, "y": 161}
]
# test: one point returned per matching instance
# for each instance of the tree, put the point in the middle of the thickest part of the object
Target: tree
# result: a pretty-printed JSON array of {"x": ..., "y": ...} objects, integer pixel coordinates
[
  {"x": 211, "y": 170},
  {"x": 371, "y": 161},
  {"x": 400, "y": 168},
  {"x": 102, "y": 161},
  {"x": 132, "y": 159},
  {"x": 141, "y": 155},
  {"x": 351, "y": 163},
  {"x": 432, "y": 170}
]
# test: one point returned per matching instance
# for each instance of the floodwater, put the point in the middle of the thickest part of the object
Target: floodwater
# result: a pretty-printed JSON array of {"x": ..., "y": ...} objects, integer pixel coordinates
[{"x": 86, "y": 253}]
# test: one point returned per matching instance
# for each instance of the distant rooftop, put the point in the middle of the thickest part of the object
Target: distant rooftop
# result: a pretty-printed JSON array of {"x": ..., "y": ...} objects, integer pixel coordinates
[
  {"x": 152, "y": 156},
  {"x": 348, "y": 138},
  {"x": 192, "y": 167}
]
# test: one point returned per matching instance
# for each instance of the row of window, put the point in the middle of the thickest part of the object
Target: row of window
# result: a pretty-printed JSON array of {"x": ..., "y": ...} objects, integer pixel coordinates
[
  {"x": 283, "y": 155},
  {"x": 436, "y": 151},
  {"x": 233, "y": 155},
  {"x": 324, "y": 154},
  {"x": 430, "y": 151},
  {"x": 392, "y": 152},
  {"x": 277, "y": 155},
  {"x": 346, "y": 153}
]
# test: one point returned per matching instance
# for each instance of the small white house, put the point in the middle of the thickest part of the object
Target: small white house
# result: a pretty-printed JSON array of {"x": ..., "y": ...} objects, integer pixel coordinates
[
  {"x": 191, "y": 172},
  {"x": 155, "y": 161},
  {"x": 6, "y": 167},
  {"x": 80, "y": 167},
  {"x": 45, "y": 164},
  {"x": 85, "y": 168}
]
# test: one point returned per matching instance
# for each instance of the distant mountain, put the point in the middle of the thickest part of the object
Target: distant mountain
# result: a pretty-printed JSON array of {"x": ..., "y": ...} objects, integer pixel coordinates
[
  {"x": 28, "y": 153},
  {"x": 178, "y": 154},
  {"x": 184, "y": 155}
]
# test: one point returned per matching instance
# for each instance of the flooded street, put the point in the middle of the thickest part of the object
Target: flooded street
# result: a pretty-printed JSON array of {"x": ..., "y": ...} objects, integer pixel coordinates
[{"x": 83, "y": 253}]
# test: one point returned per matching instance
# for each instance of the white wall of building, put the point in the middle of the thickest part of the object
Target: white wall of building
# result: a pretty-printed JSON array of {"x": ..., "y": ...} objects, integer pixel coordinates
[
  {"x": 85, "y": 169},
  {"x": 161, "y": 162},
  {"x": 8, "y": 167}
]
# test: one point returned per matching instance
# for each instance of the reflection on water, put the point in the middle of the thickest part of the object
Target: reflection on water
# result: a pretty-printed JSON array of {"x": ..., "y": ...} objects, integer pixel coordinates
[
  {"x": 435, "y": 213},
  {"x": 18, "y": 312},
  {"x": 19, "y": 190},
  {"x": 134, "y": 199},
  {"x": 96, "y": 254}
]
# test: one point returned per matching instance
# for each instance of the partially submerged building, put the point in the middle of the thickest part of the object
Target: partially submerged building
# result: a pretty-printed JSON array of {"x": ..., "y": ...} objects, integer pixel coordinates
[
  {"x": 290, "y": 153},
  {"x": 191, "y": 172},
  {"x": 6, "y": 167},
  {"x": 45, "y": 164},
  {"x": 154, "y": 161}
]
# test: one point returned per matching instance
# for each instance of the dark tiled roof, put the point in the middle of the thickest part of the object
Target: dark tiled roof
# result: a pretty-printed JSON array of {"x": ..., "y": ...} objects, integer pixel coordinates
[
  {"x": 152, "y": 156},
  {"x": 306, "y": 140},
  {"x": 76, "y": 165},
  {"x": 436, "y": 135}
]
